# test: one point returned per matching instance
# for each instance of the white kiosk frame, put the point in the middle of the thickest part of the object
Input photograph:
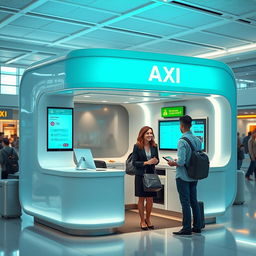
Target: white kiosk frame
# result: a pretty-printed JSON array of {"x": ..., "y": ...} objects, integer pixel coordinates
[{"x": 92, "y": 202}]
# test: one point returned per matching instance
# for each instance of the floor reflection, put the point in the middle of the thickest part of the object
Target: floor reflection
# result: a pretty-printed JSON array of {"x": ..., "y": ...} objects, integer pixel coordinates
[
  {"x": 9, "y": 236},
  {"x": 41, "y": 241},
  {"x": 233, "y": 235}
]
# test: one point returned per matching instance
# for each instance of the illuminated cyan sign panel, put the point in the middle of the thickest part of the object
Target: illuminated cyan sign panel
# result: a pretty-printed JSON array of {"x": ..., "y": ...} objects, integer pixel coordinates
[
  {"x": 173, "y": 111},
  {"x": 165, "y": 74},
  {"x": 59, "y": 129}
]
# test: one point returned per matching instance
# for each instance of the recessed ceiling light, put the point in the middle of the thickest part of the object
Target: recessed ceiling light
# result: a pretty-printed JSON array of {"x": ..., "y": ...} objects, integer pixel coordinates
[
  {"x": 104, "y": 101},
  {"x": 132, "y": 98},
  {"x": 126, "y": 102},
  {"x": 86, "y": 96},
  {"x": 229, "y": 51}
]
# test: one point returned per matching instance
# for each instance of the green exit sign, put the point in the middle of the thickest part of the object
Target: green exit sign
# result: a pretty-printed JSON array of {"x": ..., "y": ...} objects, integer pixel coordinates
[{"x": 173, "y": 111}]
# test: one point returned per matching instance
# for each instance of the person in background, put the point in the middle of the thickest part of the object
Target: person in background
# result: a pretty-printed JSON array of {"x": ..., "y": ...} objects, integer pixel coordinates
[
  {"x": 15, "y": 142},
  {"x": 240, "y": 152},
  {"x": 245, "y": 142},
  {"x": 4, "y": 153},
  {"x": 252, "y": 154},
  {"x": 186, "y": 186},
  {"x": 144, "y": 158},
  {"x": 1, "y": 139}
]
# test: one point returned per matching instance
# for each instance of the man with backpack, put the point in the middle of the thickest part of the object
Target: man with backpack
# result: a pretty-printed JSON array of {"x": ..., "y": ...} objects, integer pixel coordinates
[
  {"x": 8, "y": 159},
  {"x": 187, "y": 186},
  {"x": 1, "y": 139}
]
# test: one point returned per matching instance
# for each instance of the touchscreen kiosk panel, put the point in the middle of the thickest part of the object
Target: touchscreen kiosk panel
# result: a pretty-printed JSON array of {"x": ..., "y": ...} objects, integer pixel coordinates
[
  {"x": 169, "y": 133},
  {"x": 59, "y": 129}
]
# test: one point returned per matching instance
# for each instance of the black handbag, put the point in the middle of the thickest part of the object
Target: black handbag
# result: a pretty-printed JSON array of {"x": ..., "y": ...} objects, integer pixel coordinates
[
  {"x": 151, "y": 182},
  {"x": 129, "y": 168}
]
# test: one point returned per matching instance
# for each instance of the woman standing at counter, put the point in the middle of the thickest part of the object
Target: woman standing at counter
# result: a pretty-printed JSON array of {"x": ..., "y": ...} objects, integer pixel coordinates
[{"x": 144, "y": 158}]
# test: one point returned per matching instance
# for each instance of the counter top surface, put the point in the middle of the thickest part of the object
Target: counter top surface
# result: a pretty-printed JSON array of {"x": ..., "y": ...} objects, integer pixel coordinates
[{"x": 72, "y": 172}]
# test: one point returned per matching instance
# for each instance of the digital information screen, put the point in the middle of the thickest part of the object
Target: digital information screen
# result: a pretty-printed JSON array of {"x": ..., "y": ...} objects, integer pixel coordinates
[
  {"x": 173, "y": 111},
  {"x": 59, "y": 129},
  {"x": 169, "y": 133}
]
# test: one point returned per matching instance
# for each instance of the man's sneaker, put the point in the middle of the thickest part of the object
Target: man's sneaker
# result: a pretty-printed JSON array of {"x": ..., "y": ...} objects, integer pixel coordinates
[
  {"x": 182, "y": 233},
  {"x": 196, "y": 230}
]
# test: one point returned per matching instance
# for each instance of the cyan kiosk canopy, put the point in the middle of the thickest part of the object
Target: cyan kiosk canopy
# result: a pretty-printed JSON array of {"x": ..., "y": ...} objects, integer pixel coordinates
[{"x": 52, "y": 190}]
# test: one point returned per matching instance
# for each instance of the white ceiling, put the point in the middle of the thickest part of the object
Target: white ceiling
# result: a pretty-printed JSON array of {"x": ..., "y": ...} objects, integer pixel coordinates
[{"x": 34, "y": 30}]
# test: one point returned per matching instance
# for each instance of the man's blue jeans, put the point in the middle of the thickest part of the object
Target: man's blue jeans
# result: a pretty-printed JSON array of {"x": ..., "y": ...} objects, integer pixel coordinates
[{"x": 188, "y": 198}]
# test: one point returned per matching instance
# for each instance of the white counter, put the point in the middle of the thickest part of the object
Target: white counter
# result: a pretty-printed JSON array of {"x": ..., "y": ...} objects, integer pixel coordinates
[{"x": 78, "y": 201}]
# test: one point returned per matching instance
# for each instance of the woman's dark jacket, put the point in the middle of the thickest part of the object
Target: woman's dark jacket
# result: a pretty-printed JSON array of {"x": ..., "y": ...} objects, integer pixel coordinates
[{"x": 139, "y": 157}]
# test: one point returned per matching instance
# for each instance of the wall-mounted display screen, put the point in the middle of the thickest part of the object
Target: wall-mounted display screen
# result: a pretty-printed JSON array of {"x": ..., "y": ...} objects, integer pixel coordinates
[
  {"x": 169, "y": 133},
  {"x": 59, "y": 129}
]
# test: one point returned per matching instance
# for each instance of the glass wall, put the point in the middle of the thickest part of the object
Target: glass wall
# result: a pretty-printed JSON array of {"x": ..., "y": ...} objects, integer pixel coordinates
[
  {"x": 102, "y": 128},
  {"x": 10, "y": 79},
  {"x": 245, "y": 84}
]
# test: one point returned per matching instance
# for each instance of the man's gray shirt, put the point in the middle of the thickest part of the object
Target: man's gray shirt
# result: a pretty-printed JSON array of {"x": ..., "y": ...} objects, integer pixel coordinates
[{"x": 184, "y": 153}]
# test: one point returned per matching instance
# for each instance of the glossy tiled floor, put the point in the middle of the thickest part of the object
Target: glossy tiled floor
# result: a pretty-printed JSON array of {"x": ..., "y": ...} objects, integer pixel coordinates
[{"x": 234, "y": 234}]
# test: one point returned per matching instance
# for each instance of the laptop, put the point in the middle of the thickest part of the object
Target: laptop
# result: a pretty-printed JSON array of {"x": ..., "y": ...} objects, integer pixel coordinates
[{"x": 87, "y": 154}]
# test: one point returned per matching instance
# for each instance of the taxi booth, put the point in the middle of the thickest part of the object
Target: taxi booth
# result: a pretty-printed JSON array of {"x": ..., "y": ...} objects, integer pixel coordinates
[{"x": 92, "y": 201}]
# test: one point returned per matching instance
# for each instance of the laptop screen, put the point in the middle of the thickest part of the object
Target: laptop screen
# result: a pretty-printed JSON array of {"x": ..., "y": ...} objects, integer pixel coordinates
[{"x": 87, "y": 154}]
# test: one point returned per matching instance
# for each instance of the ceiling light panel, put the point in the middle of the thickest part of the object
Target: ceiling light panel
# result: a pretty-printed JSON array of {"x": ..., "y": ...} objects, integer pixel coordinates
[
  {"x": 87, "y": 42},
  {"x": 17, "y": 4},
  {"x": 172, "y": 47},
  {"x": 24, "y": 62},
  {"x": 10, "y": 54},
  {"x": 65, "y": 29},
  {"x": 252, "y": 17},
  {"x": 15, "y": 31},
  {"x": 239, "y": 31},
  {"x": 30, "y": 22},
  {"x": 55, "y": 8},
  {"x": 3, "y": 59},
  {"x": 213, "y": 39},
  {"x": 88, "y": 15},
  {"x": 3, "y": 16},
  {"x": 110, "y": 5},
  {"x": 114, "y": 36},
  {"x": 37, "y": 57},
  {"x": 147, "y": 26},
  {"x": 44, "y": 36},
  {"x": 171, "y": 14}
]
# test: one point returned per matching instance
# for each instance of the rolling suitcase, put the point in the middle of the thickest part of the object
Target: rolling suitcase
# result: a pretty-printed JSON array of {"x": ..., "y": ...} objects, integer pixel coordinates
[
  {"x": 201, "y": 209},
  {"x": 9, "y": 198},
  {"x": 240, "y": 188}
]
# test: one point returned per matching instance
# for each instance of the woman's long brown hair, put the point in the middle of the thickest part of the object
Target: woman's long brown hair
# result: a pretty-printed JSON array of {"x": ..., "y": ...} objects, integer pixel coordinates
[{"x": 140, "y": 139}]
